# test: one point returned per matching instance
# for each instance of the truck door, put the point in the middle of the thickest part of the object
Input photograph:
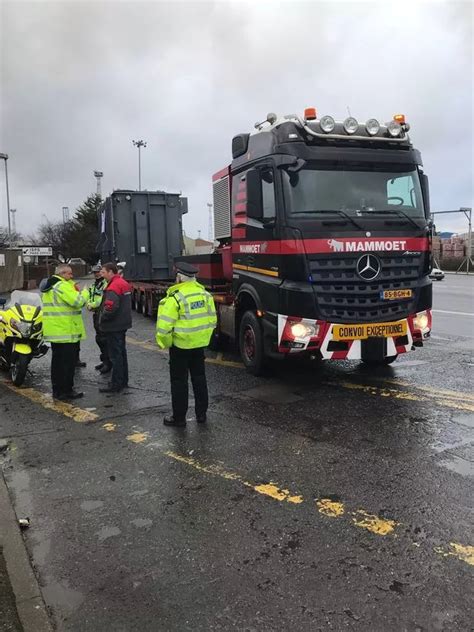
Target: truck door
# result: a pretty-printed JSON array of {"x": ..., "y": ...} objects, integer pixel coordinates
[{"x": 255, "y": 218}]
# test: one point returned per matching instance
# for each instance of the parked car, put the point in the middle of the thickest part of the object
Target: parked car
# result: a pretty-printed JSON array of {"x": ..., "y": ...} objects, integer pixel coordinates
[{"x": 437, "y": 274}]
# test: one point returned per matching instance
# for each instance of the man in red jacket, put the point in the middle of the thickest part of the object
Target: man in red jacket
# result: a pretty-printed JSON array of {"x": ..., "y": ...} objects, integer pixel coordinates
[{"x": 115, "y": 317}]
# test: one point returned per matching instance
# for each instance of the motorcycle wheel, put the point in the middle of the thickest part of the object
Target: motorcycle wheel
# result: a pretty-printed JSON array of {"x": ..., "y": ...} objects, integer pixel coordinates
[{"x": 18, "y": 368}]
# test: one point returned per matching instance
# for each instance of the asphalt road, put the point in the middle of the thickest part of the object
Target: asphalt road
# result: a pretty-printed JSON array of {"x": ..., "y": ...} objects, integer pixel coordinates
[
  {"x": 316, "y": 498},
  {"x": 453, "y": 306}
]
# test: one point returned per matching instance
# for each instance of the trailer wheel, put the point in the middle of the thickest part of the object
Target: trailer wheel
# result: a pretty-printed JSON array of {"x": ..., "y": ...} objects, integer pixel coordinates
[
  {"x": 251, "y": 343},
  {"x": 138, "y": 302},
  {"x": 384, "y": 362},
  {"x": 144, "y": 305}
]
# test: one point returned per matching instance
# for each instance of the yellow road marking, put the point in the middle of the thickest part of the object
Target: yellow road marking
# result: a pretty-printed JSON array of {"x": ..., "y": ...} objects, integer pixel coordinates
[
  {"x": 62, "y": 408},
  {"x": 137, "y": 437},
  {"x": 465, "y": 553},
  {"x": 279, "y": 494},
  {"x": 269, "y": 489},
  {"x": 435, "y": 391},
  {"x": 458, "y": 404},
  {"x": 217, "y": 360},
  {"x": 330, "y": 508},
  {"x": 109, "y": 426},
  {"x": 372, "y": 523}
]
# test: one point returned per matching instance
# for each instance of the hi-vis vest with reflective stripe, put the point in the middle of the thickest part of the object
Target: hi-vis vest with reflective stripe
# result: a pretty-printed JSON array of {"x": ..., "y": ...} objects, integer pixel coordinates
[
  {"x": 186, "y": 317},
  {"x": 62, "y": 312}
]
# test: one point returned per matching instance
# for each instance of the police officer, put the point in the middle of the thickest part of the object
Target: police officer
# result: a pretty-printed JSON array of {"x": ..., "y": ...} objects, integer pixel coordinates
[
  {"x": 186, "y": 320},
  {"x": 64, "y": 328},
  {"x": 96, "y": 294}
]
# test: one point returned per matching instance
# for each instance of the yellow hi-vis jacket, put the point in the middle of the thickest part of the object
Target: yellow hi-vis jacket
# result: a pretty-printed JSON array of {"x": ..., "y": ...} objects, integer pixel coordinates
[
  {"x": 62, "y": 311},
  {"x": 186, "y": 317}
]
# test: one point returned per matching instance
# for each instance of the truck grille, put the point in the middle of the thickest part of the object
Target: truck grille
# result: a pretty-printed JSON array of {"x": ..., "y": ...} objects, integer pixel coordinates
[{"x": 342, "y": 296}]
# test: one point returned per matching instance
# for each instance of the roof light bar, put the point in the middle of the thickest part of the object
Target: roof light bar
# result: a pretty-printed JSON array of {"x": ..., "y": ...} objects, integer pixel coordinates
[{"x": 310, "y": 114}]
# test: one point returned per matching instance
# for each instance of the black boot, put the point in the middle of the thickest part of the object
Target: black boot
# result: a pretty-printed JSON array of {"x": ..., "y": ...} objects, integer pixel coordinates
[{"x": 171, "y": 421}]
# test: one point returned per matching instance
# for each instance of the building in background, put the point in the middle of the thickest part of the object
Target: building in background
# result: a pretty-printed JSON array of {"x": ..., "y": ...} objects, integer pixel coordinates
[{"x": 197, "y": 246}]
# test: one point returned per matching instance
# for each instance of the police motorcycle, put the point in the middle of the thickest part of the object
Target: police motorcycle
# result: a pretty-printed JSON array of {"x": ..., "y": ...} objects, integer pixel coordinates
[{"x": 21, "y": 333}]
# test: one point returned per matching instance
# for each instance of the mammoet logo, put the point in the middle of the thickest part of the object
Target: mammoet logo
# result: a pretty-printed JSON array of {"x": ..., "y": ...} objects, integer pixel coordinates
[
  {"x": 253, "y": 249},
  {"x": 374, "y": 245}
]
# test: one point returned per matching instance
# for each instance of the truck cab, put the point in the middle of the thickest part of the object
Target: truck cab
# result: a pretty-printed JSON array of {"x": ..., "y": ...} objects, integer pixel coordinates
[{"x": 327, "y": 225}]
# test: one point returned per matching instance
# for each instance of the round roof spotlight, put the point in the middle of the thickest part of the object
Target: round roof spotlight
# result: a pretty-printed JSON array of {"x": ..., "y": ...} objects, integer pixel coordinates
[
  {"x": 327, "y": 124},
  {"x": 350, "y": 125},
  {"x": 394, "y": 129},
  {"x": 373, "y": 127}
]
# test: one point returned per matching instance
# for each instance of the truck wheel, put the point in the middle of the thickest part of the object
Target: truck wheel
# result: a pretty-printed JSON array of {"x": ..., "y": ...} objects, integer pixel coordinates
[
  {"x": 18, "y": 368},
  {"x": 384, "y": 362},
  {"x": 251, "y": 343}
]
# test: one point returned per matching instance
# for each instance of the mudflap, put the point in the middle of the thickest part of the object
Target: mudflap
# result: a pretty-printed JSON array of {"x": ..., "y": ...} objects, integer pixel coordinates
[{"x": 373, "y": 349}]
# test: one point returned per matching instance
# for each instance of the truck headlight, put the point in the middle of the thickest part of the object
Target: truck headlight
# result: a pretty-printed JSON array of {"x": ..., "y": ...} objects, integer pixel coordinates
[
  {"x": 301, "y": 330},
  {"x": 421, "y": 321}
]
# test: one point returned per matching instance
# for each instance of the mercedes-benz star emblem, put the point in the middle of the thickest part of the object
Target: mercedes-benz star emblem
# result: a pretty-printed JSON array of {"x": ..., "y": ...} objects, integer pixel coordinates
[{"x": 368, "y": 267}]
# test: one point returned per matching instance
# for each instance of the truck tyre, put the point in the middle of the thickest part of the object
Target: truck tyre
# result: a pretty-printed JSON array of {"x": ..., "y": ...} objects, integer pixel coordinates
[
  {"x": 251, "y": 343},
  {"x": 384, "y": 362},
  {"x": 18, "y": 368}
]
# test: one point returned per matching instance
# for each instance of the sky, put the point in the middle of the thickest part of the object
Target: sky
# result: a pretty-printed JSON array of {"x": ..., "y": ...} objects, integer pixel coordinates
[{"x": 80, "y": 80}]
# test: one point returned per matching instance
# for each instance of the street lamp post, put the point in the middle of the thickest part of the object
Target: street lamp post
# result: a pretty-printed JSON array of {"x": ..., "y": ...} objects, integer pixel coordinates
[
  {"x": 5, "y": 158},
  {"x": 139, "y": 144}
]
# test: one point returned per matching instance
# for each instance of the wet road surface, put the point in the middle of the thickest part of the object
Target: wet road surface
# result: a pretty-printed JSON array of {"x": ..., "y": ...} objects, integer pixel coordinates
[{"x": 316, "y": 498}]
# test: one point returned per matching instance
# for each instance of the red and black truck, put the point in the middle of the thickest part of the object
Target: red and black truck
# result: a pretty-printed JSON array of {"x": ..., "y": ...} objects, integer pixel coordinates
[{"x": 324, "y": 239}]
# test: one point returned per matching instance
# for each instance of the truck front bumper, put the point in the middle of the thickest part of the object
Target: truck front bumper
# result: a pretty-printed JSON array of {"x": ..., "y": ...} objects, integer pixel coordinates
[{"x": 303, "y": 335}]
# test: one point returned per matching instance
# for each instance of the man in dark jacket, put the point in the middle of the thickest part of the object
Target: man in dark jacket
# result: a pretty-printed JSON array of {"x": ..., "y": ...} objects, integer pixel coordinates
[{"x": 115, "y": 317}]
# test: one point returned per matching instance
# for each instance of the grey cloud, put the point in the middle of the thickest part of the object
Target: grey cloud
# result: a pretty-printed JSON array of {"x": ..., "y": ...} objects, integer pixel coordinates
[{"x": 80, "y": 80}]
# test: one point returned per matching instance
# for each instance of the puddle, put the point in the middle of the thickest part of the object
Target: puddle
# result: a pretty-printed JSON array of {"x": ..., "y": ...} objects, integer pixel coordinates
[
  {"x": 464, "y": 420},
  {"x": 270, "y": 394},
  {"x": 107, "y": 532},
  {"x": 459, "y": 465},
  {"x": 90, "y": 505},
  {"x": 61, "y": 596}
]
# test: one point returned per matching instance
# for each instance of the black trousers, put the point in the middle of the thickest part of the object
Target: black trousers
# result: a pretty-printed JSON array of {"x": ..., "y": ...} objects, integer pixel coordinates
[
  {"x": 117, "y": 351},
  {"x": 101, "y": 340},
  {"x": 183, "y": 361},
  {"x": 63, "y": 364}
]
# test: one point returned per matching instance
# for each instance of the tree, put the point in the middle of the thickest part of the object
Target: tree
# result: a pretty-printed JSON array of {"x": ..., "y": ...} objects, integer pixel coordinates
[
  {"x": 85, "y": 230},
  {"x": 4, "y": 237},
  {"x": 76, "y": 238}
]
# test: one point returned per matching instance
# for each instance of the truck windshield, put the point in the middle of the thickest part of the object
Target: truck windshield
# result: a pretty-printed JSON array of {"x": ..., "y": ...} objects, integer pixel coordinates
[{"x": 357, "y": 190}]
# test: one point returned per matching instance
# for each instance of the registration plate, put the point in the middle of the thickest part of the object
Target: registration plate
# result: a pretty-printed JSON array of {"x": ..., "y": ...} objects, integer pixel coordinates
[
  {"x": 393, "y": 295},
  {"x": 370, "y": 330}
]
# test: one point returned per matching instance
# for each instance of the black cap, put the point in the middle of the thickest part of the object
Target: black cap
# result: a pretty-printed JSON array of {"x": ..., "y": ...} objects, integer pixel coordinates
[{"x": 186, "y": 268}]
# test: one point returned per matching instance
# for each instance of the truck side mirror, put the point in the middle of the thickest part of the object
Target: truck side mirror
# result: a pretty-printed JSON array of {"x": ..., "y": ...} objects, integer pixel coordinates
[
  {"x": 425, "y": 189},
  {"x": 254, "y": 194}
]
